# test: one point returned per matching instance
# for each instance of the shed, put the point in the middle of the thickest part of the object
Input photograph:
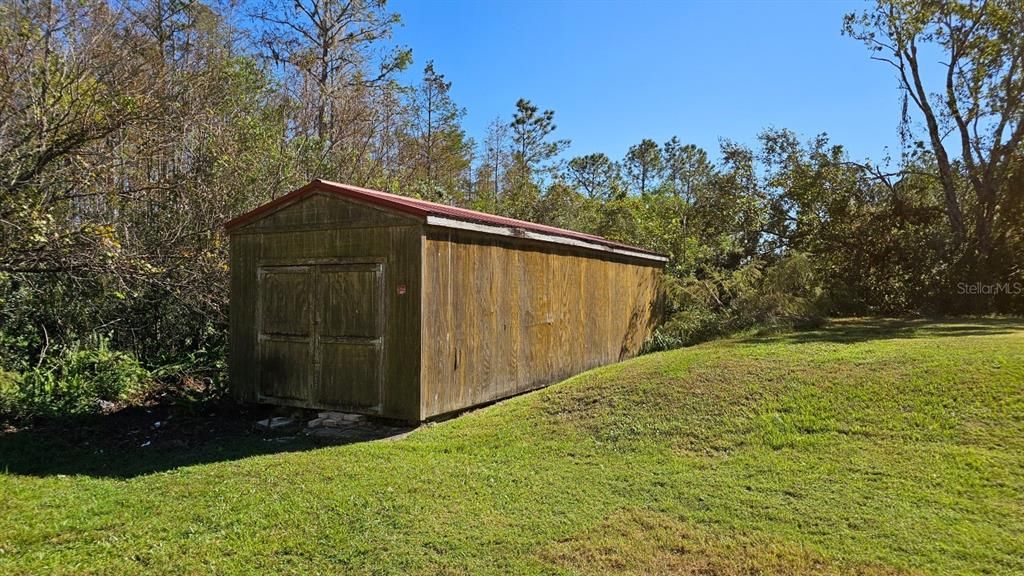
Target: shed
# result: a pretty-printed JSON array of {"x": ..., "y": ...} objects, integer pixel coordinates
[{"x": 352, "y": 299}]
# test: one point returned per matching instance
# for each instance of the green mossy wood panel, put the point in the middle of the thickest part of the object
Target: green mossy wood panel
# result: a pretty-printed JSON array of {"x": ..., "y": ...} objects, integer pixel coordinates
[
  {"x": 285, "y": 332},
  {"x": 285, "y": 301},
  {"x": 351, "y": 301},
  {"x": 351, "y": 375}
]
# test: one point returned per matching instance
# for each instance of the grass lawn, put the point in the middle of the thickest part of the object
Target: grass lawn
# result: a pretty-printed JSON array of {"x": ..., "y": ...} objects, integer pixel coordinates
[{"x": 868, "y": 447}]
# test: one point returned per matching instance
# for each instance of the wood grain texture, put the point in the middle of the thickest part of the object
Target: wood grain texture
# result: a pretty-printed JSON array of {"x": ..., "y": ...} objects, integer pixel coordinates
[
  {"x": 286, "y": 338},
  {"x": 326, "y": 210},
  {"x": 503, "y": 317}
]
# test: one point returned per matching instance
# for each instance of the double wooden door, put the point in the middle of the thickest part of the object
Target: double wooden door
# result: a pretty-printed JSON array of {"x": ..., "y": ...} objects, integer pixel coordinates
[{"x": 321, "y": 330}]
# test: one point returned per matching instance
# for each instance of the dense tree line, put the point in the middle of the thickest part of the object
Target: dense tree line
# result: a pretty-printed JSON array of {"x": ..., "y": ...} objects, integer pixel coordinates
[{"x": 130, "y": 131}]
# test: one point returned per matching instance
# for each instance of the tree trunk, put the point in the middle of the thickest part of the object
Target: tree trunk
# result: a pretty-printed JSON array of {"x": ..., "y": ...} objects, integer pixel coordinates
[{"x": 920, "y": 97}]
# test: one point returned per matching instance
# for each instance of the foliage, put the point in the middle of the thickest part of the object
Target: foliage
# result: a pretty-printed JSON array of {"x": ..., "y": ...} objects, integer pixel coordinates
[
  {"x": 643, "y": 166},
  {"x": 980, "y": 101},
  {"x": 435, "y": 147},
  {"x": 337, "y": 75},
  {"x": 787, "y": 293},
  {"x": 595, "y": 174},
  {"x": 78, "y": 381},
  {"x": 530, "y": 131},
  {"x": 10, "y": 387},
  {"x": 784, "y": 295}
]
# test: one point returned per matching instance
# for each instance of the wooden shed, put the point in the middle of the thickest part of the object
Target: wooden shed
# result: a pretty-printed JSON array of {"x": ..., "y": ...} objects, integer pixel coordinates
[{"x": 351, "y": 299}]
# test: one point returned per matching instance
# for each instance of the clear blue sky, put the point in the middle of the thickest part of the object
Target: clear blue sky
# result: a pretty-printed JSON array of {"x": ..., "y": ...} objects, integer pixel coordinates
[{"x": 615, "y": 73}]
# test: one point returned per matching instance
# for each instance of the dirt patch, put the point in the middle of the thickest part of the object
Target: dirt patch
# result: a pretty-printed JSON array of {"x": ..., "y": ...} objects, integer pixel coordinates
[{"x": 160, "y": 436}]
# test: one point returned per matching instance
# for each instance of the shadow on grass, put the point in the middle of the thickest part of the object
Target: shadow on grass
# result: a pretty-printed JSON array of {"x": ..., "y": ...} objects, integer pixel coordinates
[
  {"x": 853, "y": 330},
  {"x": 142, "y": 440}
]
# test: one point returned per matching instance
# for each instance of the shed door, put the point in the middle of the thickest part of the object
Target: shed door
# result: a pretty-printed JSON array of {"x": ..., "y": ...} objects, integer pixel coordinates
[
  {"x": 286, "y": 332},
  {"x": 350, "y": 329},
  {"x": 321, "y": 334}
]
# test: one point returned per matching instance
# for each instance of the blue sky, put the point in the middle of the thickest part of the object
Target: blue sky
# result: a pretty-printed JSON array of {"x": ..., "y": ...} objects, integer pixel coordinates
[{"x": 615, "y": 73}]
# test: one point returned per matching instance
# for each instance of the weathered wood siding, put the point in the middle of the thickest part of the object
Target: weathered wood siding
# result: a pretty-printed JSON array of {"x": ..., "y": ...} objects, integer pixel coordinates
[
  {"x": 345, "y": 242},
  {"x": 502, "y": 317}
]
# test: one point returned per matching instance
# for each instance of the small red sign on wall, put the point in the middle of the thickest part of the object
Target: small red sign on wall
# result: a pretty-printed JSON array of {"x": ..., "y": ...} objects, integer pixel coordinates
[{"x": 401, "y": 289}]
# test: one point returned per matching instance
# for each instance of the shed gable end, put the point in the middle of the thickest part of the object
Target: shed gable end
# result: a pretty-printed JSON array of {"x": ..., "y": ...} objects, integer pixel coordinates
[{"x": 323, "y": 210}]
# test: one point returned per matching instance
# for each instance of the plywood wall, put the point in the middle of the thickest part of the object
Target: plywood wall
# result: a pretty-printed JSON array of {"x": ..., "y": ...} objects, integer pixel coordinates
[{"x": 500, "y": 317}]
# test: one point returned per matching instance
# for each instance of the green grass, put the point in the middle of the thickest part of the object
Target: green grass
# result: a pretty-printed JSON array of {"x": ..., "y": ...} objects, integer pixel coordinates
[{"x": 868, "y": 447}]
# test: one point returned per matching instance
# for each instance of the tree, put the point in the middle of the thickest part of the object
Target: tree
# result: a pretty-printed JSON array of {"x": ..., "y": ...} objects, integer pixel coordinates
[
  {"x": 732, "y": 214},
  {"x": 495, "y": 162},
  {"x": 127, "y": 138},
  {"x": 532, "y": 150},
  {"x": 440, "y": 152},
  {"x": 595, "y": 174},
  {"x": 530, "y": 131},
  {"x": 70, "y": 83},
  {"x": 339, "y": 74},
  {"x": 980, "y": 102},
  {"x": 686, "y": 168},
  {"x": 643, "y": 165},
  {"x": 564, "y": 207}
]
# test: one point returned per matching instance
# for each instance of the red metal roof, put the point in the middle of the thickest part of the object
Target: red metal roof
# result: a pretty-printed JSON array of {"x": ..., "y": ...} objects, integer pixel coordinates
[{"x": 423, "y": 209}]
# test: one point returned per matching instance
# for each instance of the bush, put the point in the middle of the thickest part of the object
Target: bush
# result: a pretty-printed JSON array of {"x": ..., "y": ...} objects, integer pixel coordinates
[
  {"x": 77, "y": 381},
  {"x": 686, "y": 328},
  {"x": 785, "y": 294},
  {"x": 9, "y": 386}
]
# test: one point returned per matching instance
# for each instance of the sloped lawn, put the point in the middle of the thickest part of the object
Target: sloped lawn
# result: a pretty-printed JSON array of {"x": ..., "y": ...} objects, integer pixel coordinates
[{"x": 869, "y": 447}]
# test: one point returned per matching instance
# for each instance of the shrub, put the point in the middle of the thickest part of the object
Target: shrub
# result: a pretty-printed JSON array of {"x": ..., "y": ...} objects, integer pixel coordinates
[
  {"x": 9, "y": 386},
  {"x": 79, "y": 380},
  {"x": 687, "y": 327},
  {"x": 784, "y": 294},
  {"x": 693, "y": 314}
]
